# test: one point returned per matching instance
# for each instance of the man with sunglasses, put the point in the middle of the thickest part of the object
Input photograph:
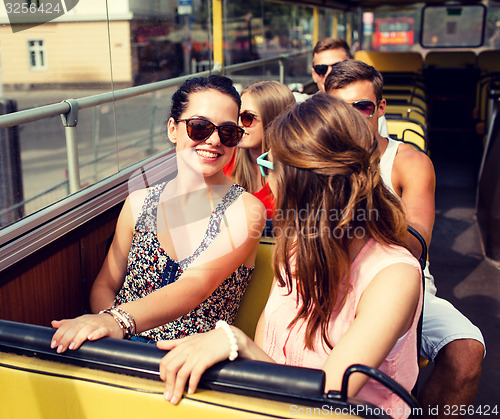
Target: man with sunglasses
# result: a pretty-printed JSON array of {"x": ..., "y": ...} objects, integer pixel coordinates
[
  {"x": 449, "y": 339},
  {"x": 326, "y": 53}
]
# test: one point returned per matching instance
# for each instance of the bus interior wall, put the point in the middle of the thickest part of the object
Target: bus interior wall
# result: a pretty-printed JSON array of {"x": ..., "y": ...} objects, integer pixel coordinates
[{"x": 55, "y": 282}]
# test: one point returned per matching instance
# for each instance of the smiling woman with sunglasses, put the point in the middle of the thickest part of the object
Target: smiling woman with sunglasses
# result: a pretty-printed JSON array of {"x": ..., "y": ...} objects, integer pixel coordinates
[
  {"x": 261, "y": 102},
  {"x": 183, "y": 250},
  {"x": 201, "y": 129}
]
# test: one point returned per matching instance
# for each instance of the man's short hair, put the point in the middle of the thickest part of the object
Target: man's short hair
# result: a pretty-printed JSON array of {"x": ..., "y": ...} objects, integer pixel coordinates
[
  {"x": 332, "y": 43},
  {"x": 347, "y": 72}
]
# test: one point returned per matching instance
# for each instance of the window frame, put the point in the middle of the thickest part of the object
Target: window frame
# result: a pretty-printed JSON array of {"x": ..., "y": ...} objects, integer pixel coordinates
[{"x": 449, "y": 7}]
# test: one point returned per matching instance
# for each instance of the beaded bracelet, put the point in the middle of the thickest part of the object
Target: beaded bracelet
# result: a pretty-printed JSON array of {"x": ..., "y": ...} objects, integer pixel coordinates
[
  {"x": 119, "y": 317},
  {"x": 118, "y": 320},
  {"x": 233, "y": 343},
  {"x": 127, "y": 317},
  {"x": 124, "y": 320}
]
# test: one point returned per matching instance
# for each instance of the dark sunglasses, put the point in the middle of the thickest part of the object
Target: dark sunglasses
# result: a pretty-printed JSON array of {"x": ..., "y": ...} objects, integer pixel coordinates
[
  {"x": 321, "y": 69},
  {"x": 366, "y": 107},
  {"x": 264, "y": 164},
  {"x": 201, "y": 129},
  {"x": 247, "y": 118}
]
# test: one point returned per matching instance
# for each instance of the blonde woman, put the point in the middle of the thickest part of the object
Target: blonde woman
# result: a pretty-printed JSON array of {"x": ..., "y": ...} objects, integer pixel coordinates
[{"x": 261, "y": 102}]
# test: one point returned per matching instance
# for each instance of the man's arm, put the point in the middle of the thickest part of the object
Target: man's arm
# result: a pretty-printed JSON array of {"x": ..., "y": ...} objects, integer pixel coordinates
[{"x": 414, "y": 179}]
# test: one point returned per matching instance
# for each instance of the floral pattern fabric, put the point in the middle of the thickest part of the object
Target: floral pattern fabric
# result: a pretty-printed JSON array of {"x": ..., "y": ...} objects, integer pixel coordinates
[{"x": 149, "y": 268}]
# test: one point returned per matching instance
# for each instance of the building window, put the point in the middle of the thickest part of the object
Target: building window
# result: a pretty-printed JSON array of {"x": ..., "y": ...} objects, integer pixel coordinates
[{"x": 37, "y": 58}]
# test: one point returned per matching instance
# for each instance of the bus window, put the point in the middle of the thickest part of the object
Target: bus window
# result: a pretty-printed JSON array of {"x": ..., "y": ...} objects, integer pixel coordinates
[
  {"x": 391, "y": 29},
  {"x": 492, "y": 29},
  {"x": 392, "y": 33},
  {"x": 453, "y": 26}
]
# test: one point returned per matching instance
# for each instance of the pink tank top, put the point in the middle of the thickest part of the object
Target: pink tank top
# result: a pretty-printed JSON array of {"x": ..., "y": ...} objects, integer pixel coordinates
[{"x": 287, "y": 346}]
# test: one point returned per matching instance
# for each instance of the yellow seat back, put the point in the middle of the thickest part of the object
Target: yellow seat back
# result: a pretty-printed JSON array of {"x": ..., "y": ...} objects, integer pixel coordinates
[
  {"x": 450, "y": 59},
  {"x": 258, "y": 289},
  {"x": 385, "y": 62},
  {"x": 413, "y": 89},
  {"x": 406, "y": 112},
  {"x": 489, "y": 65},
  {"x": 409, "y": 132},
  {"x": 395, "y": 98},
  {"x": 489, "y": 61}
]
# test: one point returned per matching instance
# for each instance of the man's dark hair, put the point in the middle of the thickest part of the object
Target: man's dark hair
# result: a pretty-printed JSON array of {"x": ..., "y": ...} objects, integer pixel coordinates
[
  {"x": 332, "y": 43},
  {"x": 347, "y": 72}
]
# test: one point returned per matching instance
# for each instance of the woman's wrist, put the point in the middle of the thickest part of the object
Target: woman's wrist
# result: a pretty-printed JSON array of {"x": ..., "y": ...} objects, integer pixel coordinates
[
  {"x": 124, "y": 320},
  {"x": 248, "y": 348},
  {"x": 233, "y": 342}
]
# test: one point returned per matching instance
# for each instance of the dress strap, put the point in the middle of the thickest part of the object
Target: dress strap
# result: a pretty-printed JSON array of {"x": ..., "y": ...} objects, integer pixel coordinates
[
  {"x": 146, "y": 221},
  {"x": 213, "y": 229}
]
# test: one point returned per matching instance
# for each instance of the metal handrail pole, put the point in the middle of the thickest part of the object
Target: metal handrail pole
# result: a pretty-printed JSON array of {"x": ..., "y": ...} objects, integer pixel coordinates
[
  {"x": 90, "y": 101},
  {"x": 72, "y": 155},
  {"x": 31, "y": 115},
  {"x": 256, "y": 63},
  {"x": 48, "y": 111},
  {"x": 96, "y": 129},
  {"x": 152, "y": 114},
  {"x": 217, "y": 69},
  {"x": 70, "y": 120},
  {"x": 282, "y": 63}
]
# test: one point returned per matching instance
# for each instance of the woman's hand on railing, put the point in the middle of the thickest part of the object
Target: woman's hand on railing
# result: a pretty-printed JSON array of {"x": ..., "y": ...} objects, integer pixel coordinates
[
  {"x": 188, "y": 359},
  {"x": 71, "y": 333}
]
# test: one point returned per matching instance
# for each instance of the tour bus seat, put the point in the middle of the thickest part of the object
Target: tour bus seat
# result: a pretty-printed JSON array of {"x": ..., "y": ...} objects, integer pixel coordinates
[
  {"x": 406, "y": 112},
  {"x": 258, "y": 289},
  {"x": 408, "y": 131},
  {"x": 488, "y": 63},
  {"x": 392, "y": 62},
  {"x": 405, "y": 98},
  {"x": 421, "y": 254},
  {"x": 404, "y": 79},
  {"x": 450, "y": 59},
  {"x": 397, "y": 68},
  {"x": 399, "y": 123},
  {"x": 451, "y": 78},
  {"x": 405, "y": 88},
  {"x": 488, "y": 192}
]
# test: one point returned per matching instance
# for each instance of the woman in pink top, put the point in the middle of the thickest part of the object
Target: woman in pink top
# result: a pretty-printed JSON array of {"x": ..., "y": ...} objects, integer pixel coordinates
[{"x": 346, "y": 290}]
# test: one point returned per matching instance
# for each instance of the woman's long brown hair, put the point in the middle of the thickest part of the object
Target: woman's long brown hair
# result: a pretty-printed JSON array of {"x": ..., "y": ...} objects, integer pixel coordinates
[{"x": 329, "y": 190}]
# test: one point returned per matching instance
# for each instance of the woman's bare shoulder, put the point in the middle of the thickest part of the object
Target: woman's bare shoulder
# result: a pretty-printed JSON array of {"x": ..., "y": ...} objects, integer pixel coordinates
[
  {"x": 253, "y": 205},
  {"x": 135, "y": 201},
  {"x": 247, "y": 212}
]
